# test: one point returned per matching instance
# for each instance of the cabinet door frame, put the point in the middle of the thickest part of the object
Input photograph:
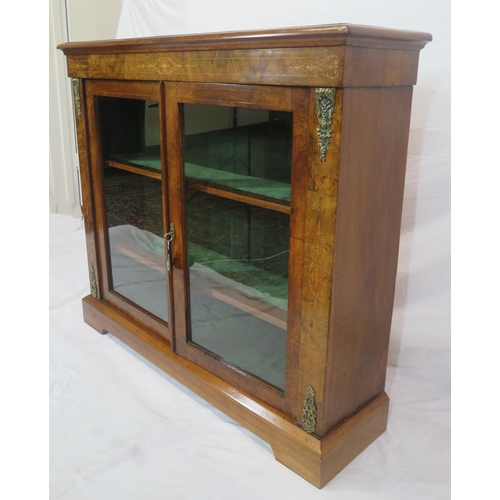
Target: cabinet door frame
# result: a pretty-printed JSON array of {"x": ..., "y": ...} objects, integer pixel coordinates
[
  {"x": 129, "y": 90},
  {"x": 295, "y": 100}
]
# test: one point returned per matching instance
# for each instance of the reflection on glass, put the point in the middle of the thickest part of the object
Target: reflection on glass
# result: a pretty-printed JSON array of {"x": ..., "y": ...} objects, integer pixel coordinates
[
  {"x": 130, "y": 133},
  {"x": 244, "y": 151},
  {"x": 238, "y": 171},
  {"x": 133, "y": 197}
]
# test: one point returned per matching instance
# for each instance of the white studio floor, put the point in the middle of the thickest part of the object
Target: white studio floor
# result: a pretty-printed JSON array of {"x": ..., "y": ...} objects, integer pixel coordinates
[{"x": 122, "y": 429}]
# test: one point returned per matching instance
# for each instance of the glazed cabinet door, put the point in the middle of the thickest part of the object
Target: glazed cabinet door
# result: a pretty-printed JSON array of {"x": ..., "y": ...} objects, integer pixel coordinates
[
  {"x": 236, "y": 167},
  {"x": 127, "y": 136}
]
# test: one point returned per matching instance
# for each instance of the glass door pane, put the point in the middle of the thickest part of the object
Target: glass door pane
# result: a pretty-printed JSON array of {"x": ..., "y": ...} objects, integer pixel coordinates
[
  {"x": 238, "y": 174},
  {"x": 130, "y": 148}
]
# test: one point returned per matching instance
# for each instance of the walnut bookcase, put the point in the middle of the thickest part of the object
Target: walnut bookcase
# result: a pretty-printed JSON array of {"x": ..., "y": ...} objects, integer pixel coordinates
[{"x": 242, "y": 197}]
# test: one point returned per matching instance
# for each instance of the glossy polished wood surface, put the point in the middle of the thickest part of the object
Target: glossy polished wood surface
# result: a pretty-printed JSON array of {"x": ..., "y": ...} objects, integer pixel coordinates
[
  {"x": 335, "y": 55},
  {"x": 345, "y": 216},
  {"x": 81, "y": 115},
  {"x": 263, "y": 97},
  {"x": 372, "y": 158},
  {"x": 120, "y": 89},
  {"x": 316, "y": 460},
  {"x": 306, "y": 36}
]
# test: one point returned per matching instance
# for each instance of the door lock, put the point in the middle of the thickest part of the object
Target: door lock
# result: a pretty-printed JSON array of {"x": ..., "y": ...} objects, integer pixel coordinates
[{"x": 169, "y": 240}]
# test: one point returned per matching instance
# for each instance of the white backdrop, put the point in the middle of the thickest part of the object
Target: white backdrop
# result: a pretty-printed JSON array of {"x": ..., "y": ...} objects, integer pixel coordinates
[{"x": 121, "y": 429}]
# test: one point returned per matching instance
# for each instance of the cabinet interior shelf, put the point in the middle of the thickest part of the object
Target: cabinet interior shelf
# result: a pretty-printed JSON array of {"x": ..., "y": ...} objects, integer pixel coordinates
[
  {"x": 135, "y": 168},
  {"x": 256, "y": 191}
]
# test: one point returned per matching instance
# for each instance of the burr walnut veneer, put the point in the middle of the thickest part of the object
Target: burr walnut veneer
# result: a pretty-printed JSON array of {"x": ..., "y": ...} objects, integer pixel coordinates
[{"x": 242, "y": 197}]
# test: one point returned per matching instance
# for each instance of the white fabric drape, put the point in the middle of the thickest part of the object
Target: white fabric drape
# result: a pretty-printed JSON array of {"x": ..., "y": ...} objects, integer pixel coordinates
[
  {"x": 151, "y": 18},
  {"x": 122, "y": 429}
]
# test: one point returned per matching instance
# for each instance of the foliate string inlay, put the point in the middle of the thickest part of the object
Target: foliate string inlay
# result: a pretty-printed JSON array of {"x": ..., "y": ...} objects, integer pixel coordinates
[
  {"x": 163, "y": 65},
  {"x": 309, "y": 412},
  {"x": 327, "y": 67},
  {"x": 325, "y": 102}
]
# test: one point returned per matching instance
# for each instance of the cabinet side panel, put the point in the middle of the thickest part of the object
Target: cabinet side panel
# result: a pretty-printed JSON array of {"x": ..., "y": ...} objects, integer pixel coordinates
[
  {"x": 370, "y": 67},
  {"x": 369, "y": 204},
  {"x": 81, "y": 116}
]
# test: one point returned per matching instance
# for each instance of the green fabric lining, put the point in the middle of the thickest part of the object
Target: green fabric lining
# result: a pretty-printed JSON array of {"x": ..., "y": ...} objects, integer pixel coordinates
[
  {"x": 140, "y": 159},
  {"x": 244, "y": 183},
  {"x": 243, "y": 272},
  {"x": 215, "y": 177}
]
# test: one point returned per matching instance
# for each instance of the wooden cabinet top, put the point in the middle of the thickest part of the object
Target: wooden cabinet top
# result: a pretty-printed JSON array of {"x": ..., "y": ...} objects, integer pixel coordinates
[
  {"x": 338, "y": 55},
  {"x": 332, "y": 35}
]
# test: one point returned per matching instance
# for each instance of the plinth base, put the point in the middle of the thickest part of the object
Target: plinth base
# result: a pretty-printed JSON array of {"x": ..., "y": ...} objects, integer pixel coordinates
[{"x": 316, "y": 460}]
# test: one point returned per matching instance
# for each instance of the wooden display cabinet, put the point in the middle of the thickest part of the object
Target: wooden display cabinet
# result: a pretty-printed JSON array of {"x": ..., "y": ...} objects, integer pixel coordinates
[{"x": 242, "y": 197}]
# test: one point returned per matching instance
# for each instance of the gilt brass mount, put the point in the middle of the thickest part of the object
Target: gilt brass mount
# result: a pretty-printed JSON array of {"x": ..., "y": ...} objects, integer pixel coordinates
[
  {"x": 93, "y": 283},
  {"x": 325, "y": 102},
  {"x": 76, "y": 92},
  {"x": 309, "y": 412}
]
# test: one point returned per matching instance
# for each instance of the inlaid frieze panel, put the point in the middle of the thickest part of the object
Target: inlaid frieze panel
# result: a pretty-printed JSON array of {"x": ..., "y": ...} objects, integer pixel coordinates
[{"x": 305, "y": 66}]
